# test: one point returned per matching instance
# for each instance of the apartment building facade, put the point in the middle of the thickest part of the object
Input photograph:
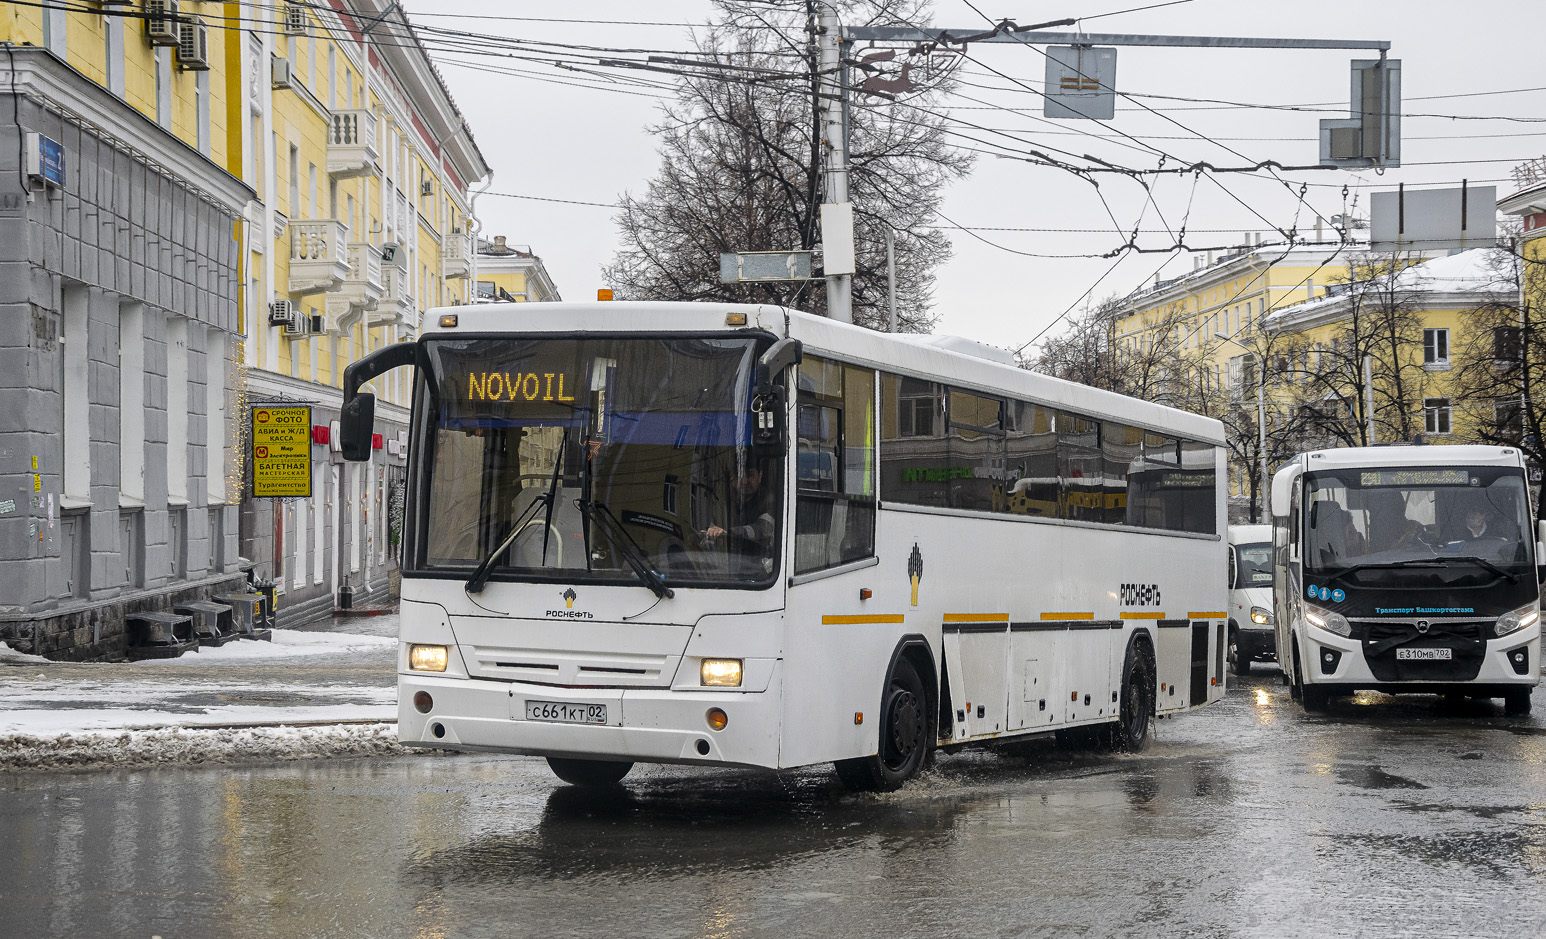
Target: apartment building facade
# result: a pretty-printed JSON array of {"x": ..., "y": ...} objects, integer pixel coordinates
[
  {"x": 512, "y": 273},
  {"x": 206, "y": 206}
]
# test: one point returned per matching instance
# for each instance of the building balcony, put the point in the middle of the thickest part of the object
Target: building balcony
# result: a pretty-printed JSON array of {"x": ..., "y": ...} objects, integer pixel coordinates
[
  {"x": 351, "y": 143},
  {"x": 319, "y": 255},
  {"x": 360, "y": 292},
  {"x": 456, "y": 257},
  {"x": 398, "y": 304}
]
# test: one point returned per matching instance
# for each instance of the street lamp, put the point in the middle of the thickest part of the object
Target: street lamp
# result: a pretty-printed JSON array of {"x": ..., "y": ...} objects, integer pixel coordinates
[{"x": 1261, "y": 410}]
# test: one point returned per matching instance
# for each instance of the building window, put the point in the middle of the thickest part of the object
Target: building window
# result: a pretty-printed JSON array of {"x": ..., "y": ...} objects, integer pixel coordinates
[
  {"x": 1507, "y": 345},
  {"x": 1436, "y": 415},
  {"x": 1507, "y": 418},
  {"x": 164, "y": 87},
  {"x": 1435, "y": 347}
]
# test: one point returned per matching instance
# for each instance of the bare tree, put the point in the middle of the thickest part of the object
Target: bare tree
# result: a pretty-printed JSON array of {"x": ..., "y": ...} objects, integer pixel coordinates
[
  {"x": 740, "y": 170},
  {"x": 1500, "y": 359},
  {"x": 1374, "y": 355}
]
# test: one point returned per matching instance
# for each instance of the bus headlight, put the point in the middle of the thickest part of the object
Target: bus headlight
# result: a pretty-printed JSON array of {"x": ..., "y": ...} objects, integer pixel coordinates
[
  {"x": 1516, "y": 620},
  {"x": 1328, "y": 620},
  {"x": 427, "y": 658},
  {"x": 1261, "y": 617},
  {"x": 723, "y": 673}
]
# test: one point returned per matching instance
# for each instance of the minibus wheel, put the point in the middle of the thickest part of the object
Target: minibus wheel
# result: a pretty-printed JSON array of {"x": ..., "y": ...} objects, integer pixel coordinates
[
  {"x": 1240, "y": 666},
  {"x": 906, "y": 733},
  {"x": 588, "y": 772}
]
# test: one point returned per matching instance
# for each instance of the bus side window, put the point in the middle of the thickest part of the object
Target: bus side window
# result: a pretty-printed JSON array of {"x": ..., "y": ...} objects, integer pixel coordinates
[
  {"x": 915, "y": 458},
  {"x": 976, "y": 459},
  {"x": 1031, "y": 454},
  {"x": 1080, "y": 471},
  {"x": 834, "y": 464}
]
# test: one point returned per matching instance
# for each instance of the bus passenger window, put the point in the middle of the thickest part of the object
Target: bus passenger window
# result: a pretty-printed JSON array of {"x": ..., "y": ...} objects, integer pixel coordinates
[
  {"x": 1081, "y": 474},
  {"x": 1031, "y": 458},
  {"x": 976, "y": 442},
  {"x": 834, "y": 464},
  {"x": 1121, "y": 449},
  {"x": 915, "y": 458}
]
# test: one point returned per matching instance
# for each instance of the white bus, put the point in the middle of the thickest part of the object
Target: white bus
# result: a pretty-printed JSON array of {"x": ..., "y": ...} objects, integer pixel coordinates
[
  {"x": 743, "y": 535},
  {"x": 1406, "y": 569}
]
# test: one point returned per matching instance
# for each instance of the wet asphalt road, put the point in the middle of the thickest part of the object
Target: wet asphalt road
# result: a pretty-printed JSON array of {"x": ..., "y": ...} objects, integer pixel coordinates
[{"x": 1388, "y": 817}]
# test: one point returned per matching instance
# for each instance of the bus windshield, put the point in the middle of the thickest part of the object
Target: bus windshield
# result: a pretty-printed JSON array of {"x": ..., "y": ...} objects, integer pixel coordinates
[
  {"x": 578, "y": 459},
  {"x": 1255, "y": 565},
  {"x": 1393, "y": 524}
]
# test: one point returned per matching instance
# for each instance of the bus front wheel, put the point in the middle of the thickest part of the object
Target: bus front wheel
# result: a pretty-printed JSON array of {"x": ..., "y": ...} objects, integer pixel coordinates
[
  {"x": 1516, "y": 701},
  {"x": 905, "y": 729},
  {"x": 588, "y": 772}
]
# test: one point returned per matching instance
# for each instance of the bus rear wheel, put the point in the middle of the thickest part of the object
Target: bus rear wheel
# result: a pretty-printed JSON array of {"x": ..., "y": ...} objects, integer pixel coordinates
[
  {"x": 905, "y": 736},
  {"x": 1131, "y": 731},
  {"x": 1516, "y": 701},
  {"x": 588, "y": 772}
]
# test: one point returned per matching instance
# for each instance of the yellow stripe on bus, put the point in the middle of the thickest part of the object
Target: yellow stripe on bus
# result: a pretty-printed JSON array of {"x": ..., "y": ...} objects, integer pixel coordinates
[
  {"x": 976, "y": 617},
  {"x": 1206, "y": 615},
  {"x": 1143, "y": 615},
  {"x": 1063, "y": 616},
  {"x": 861, "y": 618}
]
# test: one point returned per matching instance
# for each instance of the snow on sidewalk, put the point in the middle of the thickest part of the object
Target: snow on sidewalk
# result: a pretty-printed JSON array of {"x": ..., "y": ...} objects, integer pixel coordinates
[{"x": 304, "y": 695}]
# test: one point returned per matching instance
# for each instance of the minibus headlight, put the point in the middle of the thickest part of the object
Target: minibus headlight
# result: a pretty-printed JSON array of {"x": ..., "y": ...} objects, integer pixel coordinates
[
  {"x": 1328, "y": 620},
  {"x": 1515, "y": 620},
  {"x": 427, "y": 658},
  {"x": 724, "y": 673},
  {"x": 1260, "y": 616}
]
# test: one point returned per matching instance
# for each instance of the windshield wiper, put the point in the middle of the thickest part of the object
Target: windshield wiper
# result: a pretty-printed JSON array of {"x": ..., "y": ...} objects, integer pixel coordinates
[
  {"x": 632, "y": 553},
  {"x": 547, "y": 521},
  {"x": 1443, "y": 561},
  {"x": 480, "y": 575}
]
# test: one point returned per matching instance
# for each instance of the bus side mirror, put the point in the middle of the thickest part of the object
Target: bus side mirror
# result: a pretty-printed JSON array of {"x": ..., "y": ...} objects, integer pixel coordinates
[
  {"x": 1283, "y": 490},
  {"x": 1540, "y": 551},
  {"x": 356, "y": 424},
  {"x": 768, "y": 399}
]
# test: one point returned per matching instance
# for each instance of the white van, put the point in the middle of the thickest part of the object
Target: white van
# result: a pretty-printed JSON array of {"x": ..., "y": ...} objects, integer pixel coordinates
[{"x": 1251, "y": 627}]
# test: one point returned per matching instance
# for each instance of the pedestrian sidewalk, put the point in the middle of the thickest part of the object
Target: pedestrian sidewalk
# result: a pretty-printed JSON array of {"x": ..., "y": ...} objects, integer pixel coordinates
[{"x": 328, "y": 689}]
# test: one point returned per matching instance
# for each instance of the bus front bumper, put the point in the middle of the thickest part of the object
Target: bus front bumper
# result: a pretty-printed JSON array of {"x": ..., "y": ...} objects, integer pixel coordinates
[
  {"x": 1511, "y": 660},
  {"x": 646, "y": 725}
]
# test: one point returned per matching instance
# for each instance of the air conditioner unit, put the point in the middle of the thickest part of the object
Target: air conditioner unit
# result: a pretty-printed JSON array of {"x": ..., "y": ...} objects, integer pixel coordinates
[
  {"x": 300, "y": 325},
  {"x": 162, "y": 24},
  {"x": 297, "y": 22},
  {"x": 426, "y": 188},
  {"x": 281, "y": 313},
  {"x": 280, "y": 71},
  {"x": 193, "y": 50}
]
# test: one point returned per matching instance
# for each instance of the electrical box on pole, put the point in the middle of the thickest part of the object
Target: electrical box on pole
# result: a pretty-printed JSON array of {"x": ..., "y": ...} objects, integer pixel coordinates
[
  {"x": 1372, "y": 135},
  {"x": 1081, "y": 83}
]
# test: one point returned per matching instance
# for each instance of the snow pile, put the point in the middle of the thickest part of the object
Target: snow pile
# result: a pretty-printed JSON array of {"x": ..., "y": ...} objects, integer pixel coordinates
[
  {"x": 9, "y": 656},
  {"x": 287, "y": 644},
  {"x": 198, "y": 745}
]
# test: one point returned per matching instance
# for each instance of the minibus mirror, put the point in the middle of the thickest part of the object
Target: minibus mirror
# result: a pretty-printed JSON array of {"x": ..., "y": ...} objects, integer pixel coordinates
[
  {"x": 1283, "y": 490},
  {"x": 356, "y": 424}
]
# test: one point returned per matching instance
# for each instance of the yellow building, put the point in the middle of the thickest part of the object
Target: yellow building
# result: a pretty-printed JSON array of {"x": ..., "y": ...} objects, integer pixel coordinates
[
  {"x": 361, "y": 162},
  {"x": 512, "y": 273}
]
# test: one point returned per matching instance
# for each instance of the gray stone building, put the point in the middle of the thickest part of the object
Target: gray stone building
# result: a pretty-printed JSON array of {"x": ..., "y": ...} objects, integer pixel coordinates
[{"x": 119, "y": 324}]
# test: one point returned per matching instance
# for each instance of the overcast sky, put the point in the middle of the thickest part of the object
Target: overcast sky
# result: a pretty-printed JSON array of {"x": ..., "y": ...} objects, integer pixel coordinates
[{"x": 546, "y": 137}]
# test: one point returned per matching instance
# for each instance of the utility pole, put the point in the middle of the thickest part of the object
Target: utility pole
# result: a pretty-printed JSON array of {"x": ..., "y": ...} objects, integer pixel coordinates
[{"x": 837, "y": 215}]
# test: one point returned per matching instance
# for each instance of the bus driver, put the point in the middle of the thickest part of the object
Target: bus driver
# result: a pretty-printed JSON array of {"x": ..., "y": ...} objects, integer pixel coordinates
[{"x": 749, "y": 535}]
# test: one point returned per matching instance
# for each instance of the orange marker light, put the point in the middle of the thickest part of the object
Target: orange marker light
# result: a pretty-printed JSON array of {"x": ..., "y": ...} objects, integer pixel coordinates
[
  {"x": 865, "y": 593},
  {"x": 717, "y": 718},
  {"x": 448, "y": 321},
  {"x": 735, "y": 319},
  {"x": 605, "y": 293},
  {"x": 858, "y": 717}
]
